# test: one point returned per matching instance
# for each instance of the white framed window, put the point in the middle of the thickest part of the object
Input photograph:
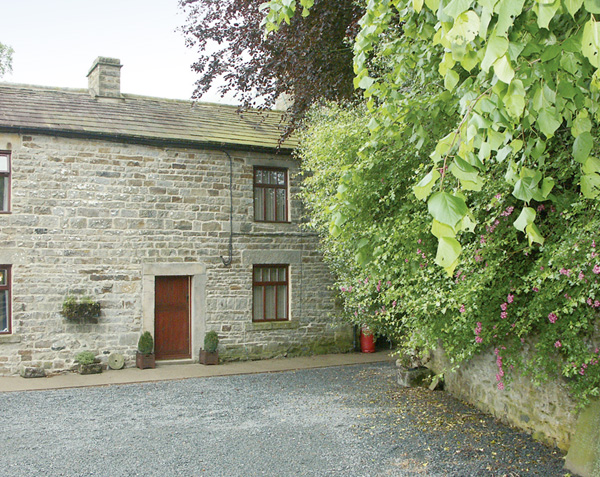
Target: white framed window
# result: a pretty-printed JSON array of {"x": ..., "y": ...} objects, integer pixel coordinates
[{"x": 4, "y": 182}]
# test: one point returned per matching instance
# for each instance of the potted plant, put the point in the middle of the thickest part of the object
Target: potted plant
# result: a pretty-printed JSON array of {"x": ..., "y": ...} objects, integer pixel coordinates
[
  {"x": 88, "y": 364},
  {"x": 144, "y": 358},
  {"x": 210, "y": 353}
]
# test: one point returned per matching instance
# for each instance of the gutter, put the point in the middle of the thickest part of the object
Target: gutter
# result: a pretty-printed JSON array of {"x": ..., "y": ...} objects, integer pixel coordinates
[{"x": 144, "y": 140}]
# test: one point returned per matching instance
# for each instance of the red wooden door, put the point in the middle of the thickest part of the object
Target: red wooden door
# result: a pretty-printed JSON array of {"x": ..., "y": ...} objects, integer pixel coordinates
[{"x": 172, "y": 317}]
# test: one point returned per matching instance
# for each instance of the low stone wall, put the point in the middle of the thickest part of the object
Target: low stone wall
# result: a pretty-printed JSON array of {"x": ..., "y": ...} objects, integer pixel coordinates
[{"x": 545, "y": 411}]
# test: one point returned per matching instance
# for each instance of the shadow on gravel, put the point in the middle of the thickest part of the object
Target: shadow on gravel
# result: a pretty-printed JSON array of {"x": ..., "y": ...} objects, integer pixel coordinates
[{"x": 436, "y": 434}]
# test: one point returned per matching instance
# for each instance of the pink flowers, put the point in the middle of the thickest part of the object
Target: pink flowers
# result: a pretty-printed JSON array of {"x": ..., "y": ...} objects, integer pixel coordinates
[
  {"x": 596, "y": 269},
  {"x": 500, "y": 386},
  {"x": 552, "y": 318},
  {"x": 510, "y": 298},
  {"x": 478, "y": 329},
  {"x": 462, "y": 308},
  {"x": 581, "y": 276},
  {"x": 504, "y": 306},
  {"x": 558, "y": 344},
  {"x": 503, "y": 315},
  {"x": 507, "y": 212},
  {"x": 564, "y": 271},
  {"x": 536, "y": 289}
]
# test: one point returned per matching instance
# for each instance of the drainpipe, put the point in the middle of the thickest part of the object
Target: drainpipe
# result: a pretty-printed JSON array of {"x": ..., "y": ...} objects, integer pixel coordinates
[{"x": 227, "y": 261}]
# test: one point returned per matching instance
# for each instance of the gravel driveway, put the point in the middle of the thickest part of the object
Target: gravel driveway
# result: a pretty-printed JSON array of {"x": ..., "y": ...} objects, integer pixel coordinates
[{"x": 342, "y": 421}]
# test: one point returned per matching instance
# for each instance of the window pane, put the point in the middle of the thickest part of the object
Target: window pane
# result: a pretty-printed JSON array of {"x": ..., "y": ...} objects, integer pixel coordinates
[
  {"x": 4, "y": 163},
  {"x": 270, "y": 204},
  {"x": 3, "y": 311},
  {"x": 270, "y": 303},
  {"x": 3, "y": 277},
  {"x": 281, "y": 178},
  {"x": 259, "y": 176},
  {"x": 259, "y": 204},
  {"x": 258, "y": 303},
  {"x": 258, "y": 273},
  {"x": 281, "y": 277},
  {"x": 3, "y": 194},
  {"x": 281, "y": 302},
  {"x": 281, "y": 205}
]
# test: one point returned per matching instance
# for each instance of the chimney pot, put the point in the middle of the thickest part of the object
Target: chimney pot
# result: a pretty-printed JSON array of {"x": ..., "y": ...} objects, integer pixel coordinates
[{"x": 104, "y": 78}]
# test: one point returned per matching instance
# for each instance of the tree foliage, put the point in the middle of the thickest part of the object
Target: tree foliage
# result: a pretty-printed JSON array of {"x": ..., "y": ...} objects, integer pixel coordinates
[
  {"x": 6, "y": 53},
  {"x": 310, "y": 60},
  {"x": 490, "y": 109}
]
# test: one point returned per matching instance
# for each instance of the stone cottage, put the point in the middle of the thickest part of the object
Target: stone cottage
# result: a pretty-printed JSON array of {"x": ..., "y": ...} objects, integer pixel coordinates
[{"x": 177, "y": 217}]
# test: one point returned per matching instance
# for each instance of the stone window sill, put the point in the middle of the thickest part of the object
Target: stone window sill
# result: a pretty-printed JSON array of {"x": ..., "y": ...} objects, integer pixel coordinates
[
  {"x": 274, "y": 325},
  {"x": 10, "y": 339}
]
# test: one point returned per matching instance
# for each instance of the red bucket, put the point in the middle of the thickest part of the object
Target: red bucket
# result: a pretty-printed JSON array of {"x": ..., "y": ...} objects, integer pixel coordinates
[{"x": 367, "y": 340}]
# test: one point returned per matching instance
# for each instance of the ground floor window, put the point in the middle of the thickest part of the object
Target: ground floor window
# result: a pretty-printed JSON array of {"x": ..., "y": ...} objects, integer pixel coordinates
[
  {"x": 5, "y": 299},
  {"x": 270, "y": 285}
]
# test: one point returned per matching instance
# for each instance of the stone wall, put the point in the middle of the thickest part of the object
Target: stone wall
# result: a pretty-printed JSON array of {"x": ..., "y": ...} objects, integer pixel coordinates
[
  {"x": 545, "y": 411},
  {"x": 101, "y": 219}
]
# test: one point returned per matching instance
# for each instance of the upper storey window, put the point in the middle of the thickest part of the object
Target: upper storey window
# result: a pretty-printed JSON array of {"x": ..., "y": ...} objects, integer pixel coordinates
[
  {"x": 270, "y": 194},
  {"x": 4, "y": 181}
]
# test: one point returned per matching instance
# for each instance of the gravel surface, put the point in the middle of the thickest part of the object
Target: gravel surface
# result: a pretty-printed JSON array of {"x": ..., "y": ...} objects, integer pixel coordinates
[{"x": 342, "y": 421}]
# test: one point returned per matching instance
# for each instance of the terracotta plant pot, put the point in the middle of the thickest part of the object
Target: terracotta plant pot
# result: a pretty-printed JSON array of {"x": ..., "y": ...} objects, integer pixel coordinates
[
  {"x": 206, "y": 357},
  {"x": 144, "y": 361}
]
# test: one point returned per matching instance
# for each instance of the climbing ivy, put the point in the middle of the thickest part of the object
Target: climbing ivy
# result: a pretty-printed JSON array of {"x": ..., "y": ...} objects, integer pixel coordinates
[
  {"x": 521, "y": 71},
  {"x": 477, "y": 152}
]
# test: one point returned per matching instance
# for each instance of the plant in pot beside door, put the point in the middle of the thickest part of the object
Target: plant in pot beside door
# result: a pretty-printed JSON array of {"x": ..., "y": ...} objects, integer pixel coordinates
[
  {"x": 144, "y": 357},
  {"x": 210, "y": 353}
]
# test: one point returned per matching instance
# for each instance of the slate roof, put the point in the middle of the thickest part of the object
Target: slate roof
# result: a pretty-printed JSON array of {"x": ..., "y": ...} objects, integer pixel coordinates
[{"x": 140, "y": 119}]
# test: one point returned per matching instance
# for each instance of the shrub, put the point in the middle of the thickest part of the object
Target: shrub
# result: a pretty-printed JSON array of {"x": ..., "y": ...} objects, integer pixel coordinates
[
  {"x": 211, "y": 341},
  {"x": 85, "y": 357},
  {"x": 146, "y": 343}
]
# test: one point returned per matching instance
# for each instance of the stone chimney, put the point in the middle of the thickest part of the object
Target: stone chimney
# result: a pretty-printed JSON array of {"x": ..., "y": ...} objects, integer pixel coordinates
[{"x": 104, "y": 78}]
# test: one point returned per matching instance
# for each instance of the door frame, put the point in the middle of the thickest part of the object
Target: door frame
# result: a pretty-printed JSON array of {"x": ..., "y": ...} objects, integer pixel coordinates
[{"x": 197, "y": 274}]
